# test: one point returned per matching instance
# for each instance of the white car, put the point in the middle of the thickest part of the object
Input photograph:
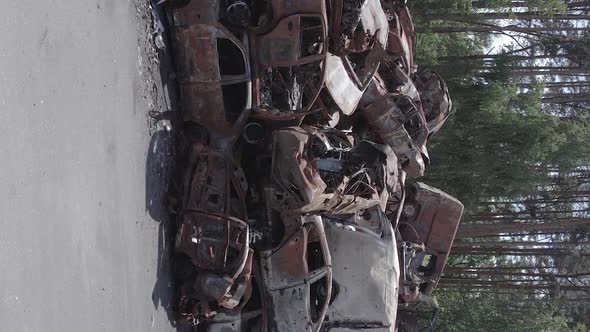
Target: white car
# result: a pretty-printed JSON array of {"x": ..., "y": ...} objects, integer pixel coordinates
[{"x": 365, "y": 273}]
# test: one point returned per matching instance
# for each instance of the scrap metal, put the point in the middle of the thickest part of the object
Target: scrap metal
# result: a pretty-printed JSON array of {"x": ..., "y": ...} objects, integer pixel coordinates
[{"x": 300, "y": 123}]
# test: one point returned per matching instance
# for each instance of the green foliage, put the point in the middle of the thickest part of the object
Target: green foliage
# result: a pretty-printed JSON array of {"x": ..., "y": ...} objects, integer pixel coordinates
[
  {"x": 432, "y": 46},
  {"x": 499, "y": 143},
  {"x": 469, "y": 260},
  {"x": 421, "y": 9},
  {"x": 473, "y": 312},
  {"x": 499, "y": 4},
  {"x": 548, "y": 7},
  {"x": 497, "y": 140}
]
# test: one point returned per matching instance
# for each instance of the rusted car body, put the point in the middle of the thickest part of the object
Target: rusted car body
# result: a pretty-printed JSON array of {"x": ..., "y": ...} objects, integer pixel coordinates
[
  {"x": 217, "y": 246},
  {"x": 428, "y": 224},
  {"x": 365, "y": 272},
  {"x": 399, "y": 123},
  {"x": 213, "y": 71},
  {"x": 350, "y": 67},
  {"x": 282, "y": 218},
  {"x": 435, "y": 99},
  {"x": 315, "y": 174},
  {"x": 352, "y": 82},
  {"x": 289, "y": 56},
  {"x": 292, "y": 275},
  {"x": 324, "y": 170},
  {"x": 213, "y": 259},
  {"x": 401, "y": 41},
  {"x": 426, "y": 89}
]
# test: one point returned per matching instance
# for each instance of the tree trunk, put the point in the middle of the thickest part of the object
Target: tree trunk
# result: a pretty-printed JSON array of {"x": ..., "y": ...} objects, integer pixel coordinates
[{"x": 486, "y": 28}]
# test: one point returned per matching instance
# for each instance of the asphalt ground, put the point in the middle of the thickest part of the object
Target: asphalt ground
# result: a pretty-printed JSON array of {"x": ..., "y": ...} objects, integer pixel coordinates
[{"x": 83, "y": 231}]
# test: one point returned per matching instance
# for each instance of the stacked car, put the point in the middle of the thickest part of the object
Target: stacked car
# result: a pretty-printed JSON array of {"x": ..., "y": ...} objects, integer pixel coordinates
[{"x": 301, "y": 121}]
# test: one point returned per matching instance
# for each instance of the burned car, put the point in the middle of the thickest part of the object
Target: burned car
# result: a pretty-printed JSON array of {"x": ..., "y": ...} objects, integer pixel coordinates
[
  {"x": 401, "y": 41},
  {"x": 212, "y": 255},
  {"x": 297, "y": 277},
  {"x": 399, "y": 123},
  {"x": 289, "y": 47},
  {"x": 428, "y": 224},
  {"x": 354, "y": 56},
  {"x": 326, "y": 170},
  {"x": 286, "y": 59},
  {"x": 434, "y": 99},
  {"x": 365, "y": 272},
  {"x": 318, "y": 173},
  {"x": 213, "y": 69},
  {"x": 393, "y": 114},
  {"x": 405, "y": 113},
  {"x": 398, "y": 70},
  {"x": 286, "y": 199}
]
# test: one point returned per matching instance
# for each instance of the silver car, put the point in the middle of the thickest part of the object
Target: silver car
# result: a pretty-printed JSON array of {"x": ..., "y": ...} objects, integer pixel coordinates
[{"x": 365, "y": 273}]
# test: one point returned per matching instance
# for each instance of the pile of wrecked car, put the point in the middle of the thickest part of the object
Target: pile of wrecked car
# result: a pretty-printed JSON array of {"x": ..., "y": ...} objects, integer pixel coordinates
[{"x": 301, "y": 121}]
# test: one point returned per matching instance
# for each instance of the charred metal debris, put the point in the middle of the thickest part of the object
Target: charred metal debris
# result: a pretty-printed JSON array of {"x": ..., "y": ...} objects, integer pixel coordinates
[{"x": 301, "y": 122}]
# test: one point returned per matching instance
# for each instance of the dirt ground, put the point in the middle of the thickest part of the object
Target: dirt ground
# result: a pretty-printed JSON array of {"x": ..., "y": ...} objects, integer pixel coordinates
[{"x": 83, "y": 232}]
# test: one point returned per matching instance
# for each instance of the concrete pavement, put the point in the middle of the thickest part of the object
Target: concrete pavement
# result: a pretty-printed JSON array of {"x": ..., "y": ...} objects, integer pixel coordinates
[{"x": 83, "y": 169}]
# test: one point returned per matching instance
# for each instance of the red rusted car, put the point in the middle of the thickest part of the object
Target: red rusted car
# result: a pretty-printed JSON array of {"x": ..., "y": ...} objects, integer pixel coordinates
[
  {"x": 212, "y": 255},
  {"x": 401, "y": 41},
  {"x": 281, "y": 48},
  {"x": 297, "y": 277},
  {"x": 288, "y": 52},
  {"x": 428, "y": 224},
  {"x": 213, "y": 70},
  {"x": 354, "y": 56}
]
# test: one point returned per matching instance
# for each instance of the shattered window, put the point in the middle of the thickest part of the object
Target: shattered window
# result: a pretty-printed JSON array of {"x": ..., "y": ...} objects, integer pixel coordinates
[
  {"x": 231, "y": 59},
  {"x": 414, "y": 121},
  {"x": 362, "y": 67},
  {"x": 426, "y": 261},
  {"x": 315, "y": 260},
  {"x": 282, "y": 87},
  {"x": 427, "y": 266},
  {"x": 311, "y": 36},
  {"x": 235, "y": 97}
]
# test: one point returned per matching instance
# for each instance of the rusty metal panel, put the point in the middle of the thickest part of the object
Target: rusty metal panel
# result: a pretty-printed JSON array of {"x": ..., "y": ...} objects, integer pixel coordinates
[
  {"x": 197, "y": 12},
  {"x": 196, "y": 51},
  {"x": 288, "y": 266},
  {"x": 287, "y": 278},
  {"x": 218, "y": 248},
  {"x": 196, "y": 54},
  {"x": 283, "y": 8},
  {"x": 214, "y": 242},
  {"x": 287, "y": 50},
  {"x": 293, "y": 171},
  {"x": 213, "y": 182},
  {"x": 300, "y": 186},
  {"x": 401, "y": 45},
  {"x": 434, "y": 216},
  {"x": 280, "y": 48},
  {"x": 441, "y": 215}
]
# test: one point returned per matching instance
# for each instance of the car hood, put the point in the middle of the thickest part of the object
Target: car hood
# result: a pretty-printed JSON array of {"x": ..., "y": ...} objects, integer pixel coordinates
[{"x": 365, "y": 268}]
